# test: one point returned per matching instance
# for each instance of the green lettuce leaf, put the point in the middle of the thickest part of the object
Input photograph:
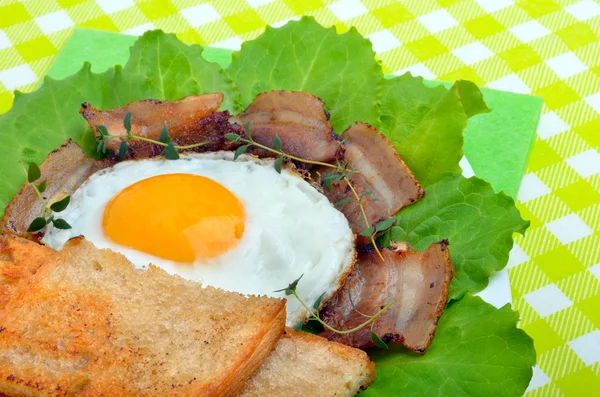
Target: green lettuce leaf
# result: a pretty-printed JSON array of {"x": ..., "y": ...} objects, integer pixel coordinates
[
  {"x": 304, "y": 56},
  {"x": 426, "y": 124},
  {"x": 478, "y": 351},
  {"x": 41, "y": 121},
  {"x": 478, "y": 223},
  {"x": 175, "y": 69}
]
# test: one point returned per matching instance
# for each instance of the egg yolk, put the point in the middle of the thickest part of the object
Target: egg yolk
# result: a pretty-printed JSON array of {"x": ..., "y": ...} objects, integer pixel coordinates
[{"x": 180, "y": 217}]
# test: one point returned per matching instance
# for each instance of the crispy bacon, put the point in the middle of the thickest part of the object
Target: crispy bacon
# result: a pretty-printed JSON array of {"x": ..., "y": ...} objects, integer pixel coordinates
[
  {"x": 64, "y": 170},
  {"x": 188, "y": 121},
  {"x": 298, "y": 118},
  {"x": 211, "y": 129},
  {"x": 381, "y": 171},
  {"x": 417, "y": 282}
]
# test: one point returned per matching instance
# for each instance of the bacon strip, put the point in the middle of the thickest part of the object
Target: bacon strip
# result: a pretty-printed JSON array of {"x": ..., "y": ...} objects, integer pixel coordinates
[
  {"x": 298, "y": 118},
  {"x": 380, "y": 171},
  {"x": 64, "y": 170},
  {"x": 189, "y": 120},
  {"x": 418, "y": 283},
  {"x": 211, "y": 129}
]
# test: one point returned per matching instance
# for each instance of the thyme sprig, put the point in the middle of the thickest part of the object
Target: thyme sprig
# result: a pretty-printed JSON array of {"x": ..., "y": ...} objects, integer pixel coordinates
[
  {"x": 170, "y": 151},
  {"x": 340, "y": 172},
  {"x": 276, "y": 149},
  {"x": 33, "y": 174},
  {"x": 313, "y": 314},
  {"x": 374, "y": 337}
]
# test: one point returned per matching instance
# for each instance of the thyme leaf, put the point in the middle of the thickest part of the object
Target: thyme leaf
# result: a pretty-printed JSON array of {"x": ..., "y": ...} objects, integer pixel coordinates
[
  {"x": 164, "y": 135},
  {"x": 377, "y": 340},
  {"x": 41, "y": 187},
  {"x": 277, "y": 143},
  {"x": 127, "y": 122},
  {"x": 33, "y": 173},
  {"x": 291, "y": 288},
  {"x": 278, "y": 164},
  {"x": 239, "y": 151},
  {"x": 61, "y": 224},
  {"x": 122, "y": 149},
  {"x": 317, "y": 303},
  {"x": 60, "y": 205},
  {"x": 367, "y": 232},
  {"x": 170, "y": 152},
  {"x": 385, "y": 224},
  {"x": 344, "y": 202},
  {"x": 38, "y": 224}
]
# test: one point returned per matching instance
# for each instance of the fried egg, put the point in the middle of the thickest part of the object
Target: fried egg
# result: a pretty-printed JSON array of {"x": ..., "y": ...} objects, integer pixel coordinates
[{"x": 237, "y": 225}]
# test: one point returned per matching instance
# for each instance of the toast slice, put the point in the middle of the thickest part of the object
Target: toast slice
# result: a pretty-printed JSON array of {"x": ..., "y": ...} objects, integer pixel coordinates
[
  {"x": 89, "y": 324},
  {"x": 303, "y": 364},
  {"x": 19, "y": 259}
]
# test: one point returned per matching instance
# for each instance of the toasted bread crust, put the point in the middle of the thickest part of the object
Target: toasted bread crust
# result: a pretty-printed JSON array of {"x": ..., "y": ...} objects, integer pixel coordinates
[
  {"x": 249, "y": 363},
  {"x": 89, "y": 324},
  {"x": 19, "y": 259}
]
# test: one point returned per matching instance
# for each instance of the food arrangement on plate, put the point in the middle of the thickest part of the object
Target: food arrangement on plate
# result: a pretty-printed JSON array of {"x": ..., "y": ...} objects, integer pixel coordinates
[{"x": 193, "y": 227}]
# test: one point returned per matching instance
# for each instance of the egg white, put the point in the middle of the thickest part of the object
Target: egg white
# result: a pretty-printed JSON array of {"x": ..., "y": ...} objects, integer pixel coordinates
[{"x": 291, "y": 229}]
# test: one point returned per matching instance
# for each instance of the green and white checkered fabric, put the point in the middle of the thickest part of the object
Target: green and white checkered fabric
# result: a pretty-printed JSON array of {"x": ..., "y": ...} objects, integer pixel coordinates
[{"x": 549, "y": 48}]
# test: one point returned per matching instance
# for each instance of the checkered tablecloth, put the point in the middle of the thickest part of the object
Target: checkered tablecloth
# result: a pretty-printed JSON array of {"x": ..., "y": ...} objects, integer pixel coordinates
[{"x": 549, "y": 48}]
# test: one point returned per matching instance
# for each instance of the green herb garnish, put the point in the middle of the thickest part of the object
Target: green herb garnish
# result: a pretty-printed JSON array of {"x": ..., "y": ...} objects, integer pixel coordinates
[
  {"x": 170, "y": 151},
  {"x": 340, "y": 172},
  {"x": 313, "y": 314},
  {"x": 32, "y": 174}
]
